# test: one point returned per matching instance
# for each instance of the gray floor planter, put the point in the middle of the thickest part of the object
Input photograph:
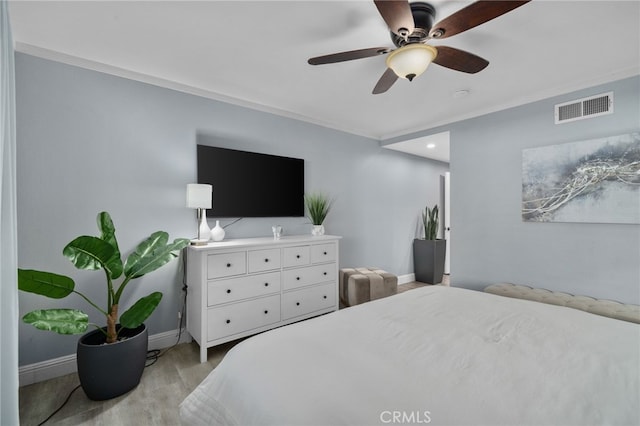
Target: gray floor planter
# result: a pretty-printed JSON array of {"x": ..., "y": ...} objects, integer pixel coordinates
[
  {"x": 428, "y": 260},
  {"x": 107, "y": 371}
]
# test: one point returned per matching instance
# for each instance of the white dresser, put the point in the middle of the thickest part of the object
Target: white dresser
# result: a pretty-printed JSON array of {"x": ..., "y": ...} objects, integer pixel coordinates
[{"x": 241, "y": 287}]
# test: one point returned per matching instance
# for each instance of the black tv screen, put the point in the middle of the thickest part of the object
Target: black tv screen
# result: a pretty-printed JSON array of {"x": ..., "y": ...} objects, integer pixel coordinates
[{"x": 248, "y": 184}]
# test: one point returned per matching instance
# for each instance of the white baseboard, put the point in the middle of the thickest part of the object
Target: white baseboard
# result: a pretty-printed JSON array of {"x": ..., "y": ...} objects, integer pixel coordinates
[
  {"x": 405, "y": 279},
  {"x": 56, "y": 367},
  {"x": 45, "y": 370}
]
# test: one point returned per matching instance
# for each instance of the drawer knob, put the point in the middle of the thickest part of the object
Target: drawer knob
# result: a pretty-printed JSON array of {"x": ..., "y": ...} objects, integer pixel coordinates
[
  {"x": 325, "y": 253},
  {"x": 228, "y": 265},
  {"x": 297, "y": 303},
  {"x": 324, "y": 297},
  {"x": 297, "y": 278},
  {"x": 228, "y": 321},
  {"x": 266, "y": 284},
  {"x": 228, "y": 291},
  {"x": 324, "y": 273},
  {"x": 266, "y": 260},
  {"x": 266, "y": 311},
  {"x": 297, "y": 256}
]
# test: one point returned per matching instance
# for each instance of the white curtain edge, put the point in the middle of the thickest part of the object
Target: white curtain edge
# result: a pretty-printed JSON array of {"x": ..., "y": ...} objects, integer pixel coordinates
[{"x": 9, "y": 404}]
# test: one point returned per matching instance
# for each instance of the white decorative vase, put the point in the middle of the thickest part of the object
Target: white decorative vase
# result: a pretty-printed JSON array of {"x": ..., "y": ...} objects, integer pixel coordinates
[
  {"x": 217, "y": 233},
  {"x": 317, "y": 230}
]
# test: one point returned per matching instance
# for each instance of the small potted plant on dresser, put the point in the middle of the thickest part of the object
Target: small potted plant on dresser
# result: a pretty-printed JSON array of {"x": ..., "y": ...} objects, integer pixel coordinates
[
  {"x": 110, "y": 359},
  {"x": 318, "y": 206},
  {"x": 429, "y": 252}
]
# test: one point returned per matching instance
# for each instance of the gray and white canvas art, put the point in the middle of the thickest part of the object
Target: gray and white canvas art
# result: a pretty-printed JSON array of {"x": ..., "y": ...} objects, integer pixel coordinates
[{"x": 595, "y": 181}]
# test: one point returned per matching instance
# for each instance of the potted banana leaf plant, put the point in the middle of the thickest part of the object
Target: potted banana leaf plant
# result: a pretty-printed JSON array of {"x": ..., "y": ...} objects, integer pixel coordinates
[
  {"x": 429, "y": 252},
  {"x": 110, "y": 359}
]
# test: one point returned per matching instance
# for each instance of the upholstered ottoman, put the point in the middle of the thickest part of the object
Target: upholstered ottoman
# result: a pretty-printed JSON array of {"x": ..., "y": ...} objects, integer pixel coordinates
[
  {"x": 359, "y": 285},
  {"x": 607, "y": 308}
]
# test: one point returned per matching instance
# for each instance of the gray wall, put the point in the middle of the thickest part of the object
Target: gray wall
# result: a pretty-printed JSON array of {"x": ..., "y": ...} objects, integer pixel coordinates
[
  {"x": 490, "y": 243},
  {"x": 89, "y": 142}
]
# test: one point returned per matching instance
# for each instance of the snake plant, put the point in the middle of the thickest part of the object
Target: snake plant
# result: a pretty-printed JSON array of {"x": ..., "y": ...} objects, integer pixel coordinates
[
  {"x": 430, "y": 222},
  {"x": 95, "y": 253}
]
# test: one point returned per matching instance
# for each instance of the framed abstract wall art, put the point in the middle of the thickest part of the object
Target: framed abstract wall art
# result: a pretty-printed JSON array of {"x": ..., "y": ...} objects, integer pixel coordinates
[{"x": 593, "y": 181}]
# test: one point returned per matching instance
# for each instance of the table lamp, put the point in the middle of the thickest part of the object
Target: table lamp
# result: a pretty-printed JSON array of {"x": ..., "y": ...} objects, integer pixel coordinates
[{"x": 199, "y": 197}]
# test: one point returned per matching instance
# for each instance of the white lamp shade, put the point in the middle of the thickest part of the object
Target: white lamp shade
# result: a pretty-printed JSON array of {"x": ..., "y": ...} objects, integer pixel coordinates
[
  {"x": 411, "y": 60},
  {"x": 199, "y": 195}
]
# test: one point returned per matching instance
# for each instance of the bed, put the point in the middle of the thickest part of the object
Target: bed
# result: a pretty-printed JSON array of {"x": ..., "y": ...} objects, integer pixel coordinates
[{"x": 434, "y": 355}]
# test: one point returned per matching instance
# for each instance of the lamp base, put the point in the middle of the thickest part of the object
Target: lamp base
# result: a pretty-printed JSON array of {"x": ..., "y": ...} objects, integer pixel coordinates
[{"x": 199, "y": 242}]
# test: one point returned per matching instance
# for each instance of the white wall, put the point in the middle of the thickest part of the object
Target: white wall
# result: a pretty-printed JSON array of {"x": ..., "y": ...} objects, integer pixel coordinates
[{"x": 89, "y": 142}]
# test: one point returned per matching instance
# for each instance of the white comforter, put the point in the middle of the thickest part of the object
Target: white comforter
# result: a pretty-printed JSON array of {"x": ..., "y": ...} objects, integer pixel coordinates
[{"x": 435, "y": 355}]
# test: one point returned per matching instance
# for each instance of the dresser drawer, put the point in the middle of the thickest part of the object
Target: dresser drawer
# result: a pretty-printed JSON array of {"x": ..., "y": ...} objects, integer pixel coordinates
[
  {"x": 300, "y": 277},
  {"x": 264, "y": 260},
  {"x": 323, "y": 253},
  {"x": 295, "y": 256},
  {"x": 304, "y": 301},
  {"x": 226, "y": 264},
  {"x": 233, "y": 289},
  {"x": 243, "y": 316}
]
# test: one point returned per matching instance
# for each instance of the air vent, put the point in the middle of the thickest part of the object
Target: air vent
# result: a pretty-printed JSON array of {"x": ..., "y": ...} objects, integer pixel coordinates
[{"x": 580, "y": 109}]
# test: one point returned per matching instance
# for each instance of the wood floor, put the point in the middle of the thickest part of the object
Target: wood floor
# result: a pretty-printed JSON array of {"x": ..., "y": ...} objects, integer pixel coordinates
[{"x": 154, "y": 402}]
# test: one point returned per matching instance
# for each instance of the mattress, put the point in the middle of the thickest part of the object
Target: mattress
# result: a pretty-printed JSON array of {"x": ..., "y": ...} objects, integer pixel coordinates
[{"x": 435, "y": 355}]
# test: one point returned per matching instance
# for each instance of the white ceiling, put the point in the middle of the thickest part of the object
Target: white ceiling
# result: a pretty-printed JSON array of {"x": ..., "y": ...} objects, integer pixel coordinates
[
  {"x": 254, "y": 53},
  {"x": 434, "y": 146}
]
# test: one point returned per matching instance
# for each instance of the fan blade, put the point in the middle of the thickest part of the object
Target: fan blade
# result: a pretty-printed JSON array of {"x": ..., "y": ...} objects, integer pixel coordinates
[
  {"x": 459, "y": 60},
  {"x": 471, "y": 16},
  {"x": 348, "y": 56},
  {"x": 397, "y": 14},
  {"x": 386, "y": 81}
]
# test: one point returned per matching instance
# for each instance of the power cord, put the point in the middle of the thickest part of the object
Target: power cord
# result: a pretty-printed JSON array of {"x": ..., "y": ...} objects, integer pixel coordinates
[
  {"x": 60, "y": 407},
  {"x": 154, "y": 354},
  {"x": 235, "y": 221}
]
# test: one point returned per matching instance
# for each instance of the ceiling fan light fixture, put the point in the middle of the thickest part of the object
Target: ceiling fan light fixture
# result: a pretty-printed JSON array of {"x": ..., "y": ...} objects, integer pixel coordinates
[{"x": 411, "y": 60}]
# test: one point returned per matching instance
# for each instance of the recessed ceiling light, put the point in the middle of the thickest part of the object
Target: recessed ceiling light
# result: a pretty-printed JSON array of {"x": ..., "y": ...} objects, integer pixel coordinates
[
  {"x": 460, "y": 93},
  {"x": 431, "y": 145}
]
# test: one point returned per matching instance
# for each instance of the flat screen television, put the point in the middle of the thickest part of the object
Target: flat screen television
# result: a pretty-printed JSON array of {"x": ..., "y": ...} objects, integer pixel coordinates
[{"x": 249, "y": 184}]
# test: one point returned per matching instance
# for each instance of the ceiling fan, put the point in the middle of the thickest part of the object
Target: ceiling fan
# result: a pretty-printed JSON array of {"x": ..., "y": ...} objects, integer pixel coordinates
[{"x": 411, "y": 26}]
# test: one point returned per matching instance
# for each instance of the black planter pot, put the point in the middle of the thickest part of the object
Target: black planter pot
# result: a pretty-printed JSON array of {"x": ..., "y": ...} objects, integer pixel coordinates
[
  {"x": 110, "y": 370},
  {"x": 428, "y": 260}
]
